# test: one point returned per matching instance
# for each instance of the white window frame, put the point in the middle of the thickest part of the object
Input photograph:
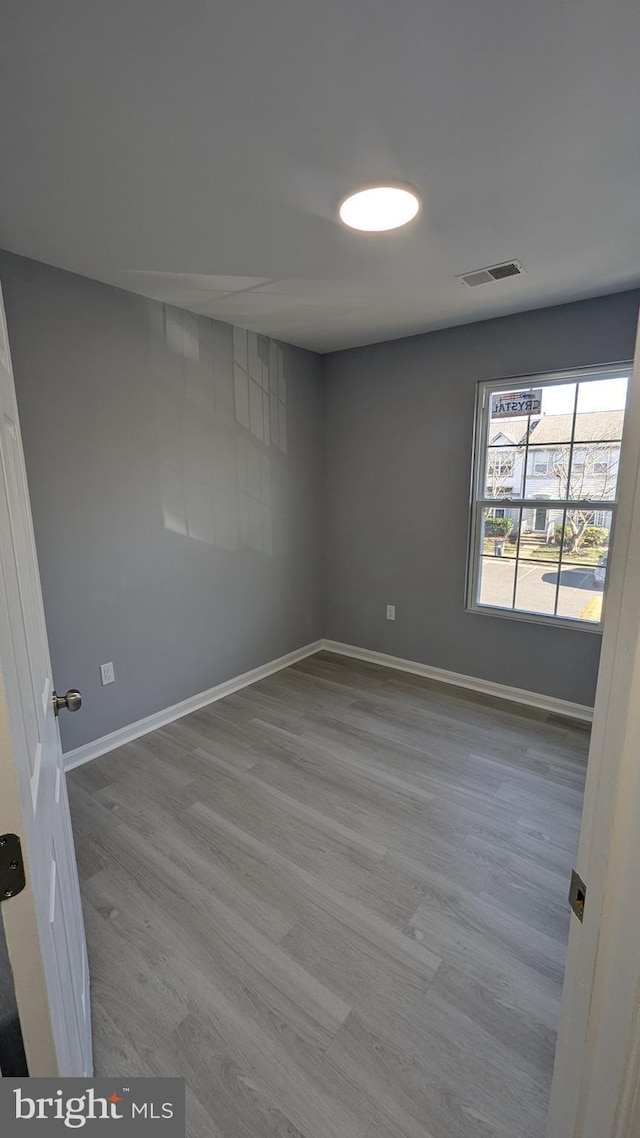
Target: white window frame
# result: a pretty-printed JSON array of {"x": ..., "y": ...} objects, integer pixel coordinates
[
  {"x": 579, "y": 465},
  {"x": 603, "y": 463},
  {"x": 478, "y": 502},
  {"x": 537, "y": 470},
  {"x": 502, "y": 467}
]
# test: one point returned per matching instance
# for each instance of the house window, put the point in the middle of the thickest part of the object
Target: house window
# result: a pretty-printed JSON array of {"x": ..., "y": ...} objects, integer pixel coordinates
[
  {"x": 558, "y": 438},
  {"x": 579, "y": 458},
  {"x": 501, "y": 463}
]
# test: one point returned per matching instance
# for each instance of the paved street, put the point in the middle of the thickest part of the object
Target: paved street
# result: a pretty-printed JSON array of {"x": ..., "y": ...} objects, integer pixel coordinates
[{"x": 536, "y": 588}]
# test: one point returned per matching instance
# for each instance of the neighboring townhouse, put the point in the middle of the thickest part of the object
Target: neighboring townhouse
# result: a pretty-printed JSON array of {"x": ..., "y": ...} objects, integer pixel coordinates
[{"x": 530, "y": 459}]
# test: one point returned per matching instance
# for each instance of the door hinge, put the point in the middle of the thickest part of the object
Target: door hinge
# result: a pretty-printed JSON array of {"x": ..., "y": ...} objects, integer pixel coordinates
[
  {"x": 12, "y": 879},
  {"x": 577, "y": 895}
]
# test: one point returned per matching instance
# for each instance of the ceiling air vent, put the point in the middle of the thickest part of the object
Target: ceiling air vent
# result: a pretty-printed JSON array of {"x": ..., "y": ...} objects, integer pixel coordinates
[{"x": 492, "y": 273}]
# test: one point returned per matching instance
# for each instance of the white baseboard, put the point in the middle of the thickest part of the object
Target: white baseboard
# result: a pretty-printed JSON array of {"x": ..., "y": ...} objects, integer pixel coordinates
[
  {"x": 141, "y": 727},
  {"x": 485, "y": 687}
]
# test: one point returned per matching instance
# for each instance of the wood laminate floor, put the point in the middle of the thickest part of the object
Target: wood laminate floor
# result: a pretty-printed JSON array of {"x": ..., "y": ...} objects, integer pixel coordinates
[{"x": 336, "y": 903}]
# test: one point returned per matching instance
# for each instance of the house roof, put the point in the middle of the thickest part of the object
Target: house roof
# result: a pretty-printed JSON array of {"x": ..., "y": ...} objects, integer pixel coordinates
[
  {"x": 513, "y": 430},
  {"x": 591, "y": 426}
]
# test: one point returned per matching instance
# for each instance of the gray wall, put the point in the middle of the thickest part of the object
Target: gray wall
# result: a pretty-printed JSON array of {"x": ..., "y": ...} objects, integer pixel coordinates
[
  {"x": 398, "y": 431},
  {"x": 176, "y": 501},
  {"x": 175, "y": 470}
]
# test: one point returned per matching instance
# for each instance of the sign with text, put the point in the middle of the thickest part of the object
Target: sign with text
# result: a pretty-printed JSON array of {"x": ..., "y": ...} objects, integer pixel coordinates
[
  {"x": 516, "y": 404},
  {"x": 130, "y": 1108}
]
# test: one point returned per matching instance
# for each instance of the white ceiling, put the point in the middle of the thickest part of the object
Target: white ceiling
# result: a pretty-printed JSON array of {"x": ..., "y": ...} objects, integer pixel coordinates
[{"x": 196, "y": 150}]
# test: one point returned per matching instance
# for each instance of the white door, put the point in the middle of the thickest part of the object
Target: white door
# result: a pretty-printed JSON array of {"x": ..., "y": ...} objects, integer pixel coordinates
[
  {"x": 596, "y": 1084},
  {"x": 43, "y": 924}
]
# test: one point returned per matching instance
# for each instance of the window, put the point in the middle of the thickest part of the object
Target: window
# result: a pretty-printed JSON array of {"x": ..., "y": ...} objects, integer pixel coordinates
[
  {"x": 600, "y": 462},
  {"x": 541, "y": 462},
  {"x": 501, "y": 463},
  {"x": 549, "y": 453},
  {"x": 579, "y": 458}
]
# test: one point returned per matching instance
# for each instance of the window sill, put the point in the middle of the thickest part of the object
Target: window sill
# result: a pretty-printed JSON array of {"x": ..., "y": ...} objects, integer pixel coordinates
[{"x": 535, "y": 618}]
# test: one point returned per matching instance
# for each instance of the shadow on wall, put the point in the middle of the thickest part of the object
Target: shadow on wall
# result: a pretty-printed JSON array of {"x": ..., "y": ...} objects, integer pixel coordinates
[{"x": 221, "y": 410}]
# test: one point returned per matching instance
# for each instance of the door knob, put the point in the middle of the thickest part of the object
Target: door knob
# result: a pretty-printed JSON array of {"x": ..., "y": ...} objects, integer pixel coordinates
[{"x": 72, "y": 701}]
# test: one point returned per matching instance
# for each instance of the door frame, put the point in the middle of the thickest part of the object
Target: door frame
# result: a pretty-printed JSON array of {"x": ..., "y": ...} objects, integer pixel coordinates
[{"x": 596, "y": 1082}]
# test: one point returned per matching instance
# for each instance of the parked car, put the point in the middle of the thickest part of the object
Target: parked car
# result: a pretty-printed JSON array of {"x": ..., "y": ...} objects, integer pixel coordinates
[{"x": 600, "y": 572}]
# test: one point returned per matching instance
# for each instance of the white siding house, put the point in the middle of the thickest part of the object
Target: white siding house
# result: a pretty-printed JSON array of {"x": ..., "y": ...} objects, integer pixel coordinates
[{"x": 533, "y": 460}]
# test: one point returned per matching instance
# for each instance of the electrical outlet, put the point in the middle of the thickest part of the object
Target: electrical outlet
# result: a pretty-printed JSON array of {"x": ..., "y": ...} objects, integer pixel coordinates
[
  {"x": 391, "y": 612},
  {"x": 107, "y": 674}
]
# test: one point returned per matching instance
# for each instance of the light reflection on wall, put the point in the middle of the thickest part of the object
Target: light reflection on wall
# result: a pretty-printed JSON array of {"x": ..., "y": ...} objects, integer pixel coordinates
[{"x": 221, "y": 411}]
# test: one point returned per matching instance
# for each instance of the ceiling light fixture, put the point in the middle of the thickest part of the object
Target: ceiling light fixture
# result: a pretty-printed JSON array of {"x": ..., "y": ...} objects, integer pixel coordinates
[{"x": 378, "y": 208}]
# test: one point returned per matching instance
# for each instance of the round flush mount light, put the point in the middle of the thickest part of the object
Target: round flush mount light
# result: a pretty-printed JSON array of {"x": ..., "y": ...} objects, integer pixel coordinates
[{"x": 375, "y": 209}]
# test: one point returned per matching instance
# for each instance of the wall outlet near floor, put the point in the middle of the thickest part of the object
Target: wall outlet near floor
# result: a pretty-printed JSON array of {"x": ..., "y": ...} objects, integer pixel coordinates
[
  {"x": 107, "y": 674},
  {"x": 391, "y": 612}
]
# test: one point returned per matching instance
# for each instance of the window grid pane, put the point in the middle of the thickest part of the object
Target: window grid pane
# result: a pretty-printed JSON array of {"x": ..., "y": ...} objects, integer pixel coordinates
[{"x": 543, "y": 550}]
